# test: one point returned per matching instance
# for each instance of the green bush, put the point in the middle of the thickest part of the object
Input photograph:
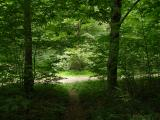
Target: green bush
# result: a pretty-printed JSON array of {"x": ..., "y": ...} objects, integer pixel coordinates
[
  {"x": 46, "y": 64},
  {"x": 74, "y": 59},
  {"x": 8, "y": 73},
  {"x": 99, "y": 57}
]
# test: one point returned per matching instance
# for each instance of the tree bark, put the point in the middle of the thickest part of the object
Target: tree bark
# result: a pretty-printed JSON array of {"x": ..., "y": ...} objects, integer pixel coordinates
[
  {"x": 114, "y": 44},
  {"x": 115, "y": 25},
  {"x": 28, "y": 74}
]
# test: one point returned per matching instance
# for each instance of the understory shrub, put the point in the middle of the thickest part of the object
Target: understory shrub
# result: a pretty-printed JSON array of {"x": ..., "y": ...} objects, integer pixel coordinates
[{"x": 74, "y": 59}]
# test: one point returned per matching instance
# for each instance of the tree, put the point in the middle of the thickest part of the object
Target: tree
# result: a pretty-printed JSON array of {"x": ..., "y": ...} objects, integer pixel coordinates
[
  {"x": 114, "y": 43},
  {"x": 115, "y": 24},
  {"x": 110, "y": 12},
  {"x": 28, "y": 75}
]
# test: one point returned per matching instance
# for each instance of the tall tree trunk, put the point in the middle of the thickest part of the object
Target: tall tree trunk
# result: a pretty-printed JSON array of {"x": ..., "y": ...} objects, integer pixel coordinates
[
  {"x": 114, "y": 44},
  {"x": 115, "y": 25},
  {"x": 28, "y": 74}
]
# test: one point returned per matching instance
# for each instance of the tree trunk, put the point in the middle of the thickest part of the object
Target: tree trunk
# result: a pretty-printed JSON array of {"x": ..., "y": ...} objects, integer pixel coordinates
[
  {"x": 115, "y": 24},
  {"x": 114, "y": 44},
  {"x": 28, "y": 75}
]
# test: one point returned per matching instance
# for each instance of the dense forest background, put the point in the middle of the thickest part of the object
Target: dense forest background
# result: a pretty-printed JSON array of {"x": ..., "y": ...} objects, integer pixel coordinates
[{"x": 116, "y": 41}]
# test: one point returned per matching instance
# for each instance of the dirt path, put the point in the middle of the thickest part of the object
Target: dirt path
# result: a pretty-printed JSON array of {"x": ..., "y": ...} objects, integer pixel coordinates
[
  {"x": 74, "y": 110},
  {"x": 76, "y": 79}
]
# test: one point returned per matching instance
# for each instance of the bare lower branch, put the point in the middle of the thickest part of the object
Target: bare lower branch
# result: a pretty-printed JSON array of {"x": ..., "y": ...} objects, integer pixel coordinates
[{"x": 122, "y": 20}]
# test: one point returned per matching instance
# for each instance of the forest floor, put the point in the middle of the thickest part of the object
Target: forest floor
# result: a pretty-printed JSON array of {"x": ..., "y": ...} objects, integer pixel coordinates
[
  {"x": 86, "y": 100},
  {"x": 74, "y": 110}
]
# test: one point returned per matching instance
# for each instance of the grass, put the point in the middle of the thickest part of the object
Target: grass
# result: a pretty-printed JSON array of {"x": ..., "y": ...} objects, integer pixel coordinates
[{"x": 75, "y": 73}]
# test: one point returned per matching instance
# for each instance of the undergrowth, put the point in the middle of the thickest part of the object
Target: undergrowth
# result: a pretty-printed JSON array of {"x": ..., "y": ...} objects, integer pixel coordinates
[
  {"x": 133, "y": 100},
  {"x": 48, "y": 103}
]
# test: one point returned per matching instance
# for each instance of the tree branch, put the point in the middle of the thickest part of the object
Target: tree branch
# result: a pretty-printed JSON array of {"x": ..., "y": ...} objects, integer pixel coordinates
[{"x": 122, "y": 20}]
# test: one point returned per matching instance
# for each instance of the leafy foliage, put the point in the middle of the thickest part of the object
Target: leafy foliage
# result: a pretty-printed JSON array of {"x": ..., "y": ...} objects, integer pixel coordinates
[
  {"x": 48, "y": 102},
  {"x": 74, "y": 35}
]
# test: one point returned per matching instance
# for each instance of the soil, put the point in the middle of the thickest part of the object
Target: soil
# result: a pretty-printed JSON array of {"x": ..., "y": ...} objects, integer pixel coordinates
[
  {"x": 76, "y": 79},
  {"x": 74, "y": 110}
]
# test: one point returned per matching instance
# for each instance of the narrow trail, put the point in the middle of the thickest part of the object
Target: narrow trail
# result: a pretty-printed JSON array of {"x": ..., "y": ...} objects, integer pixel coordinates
[
  {"x": 77, "y": 79},
  {"x": 74, "y": 110}
]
